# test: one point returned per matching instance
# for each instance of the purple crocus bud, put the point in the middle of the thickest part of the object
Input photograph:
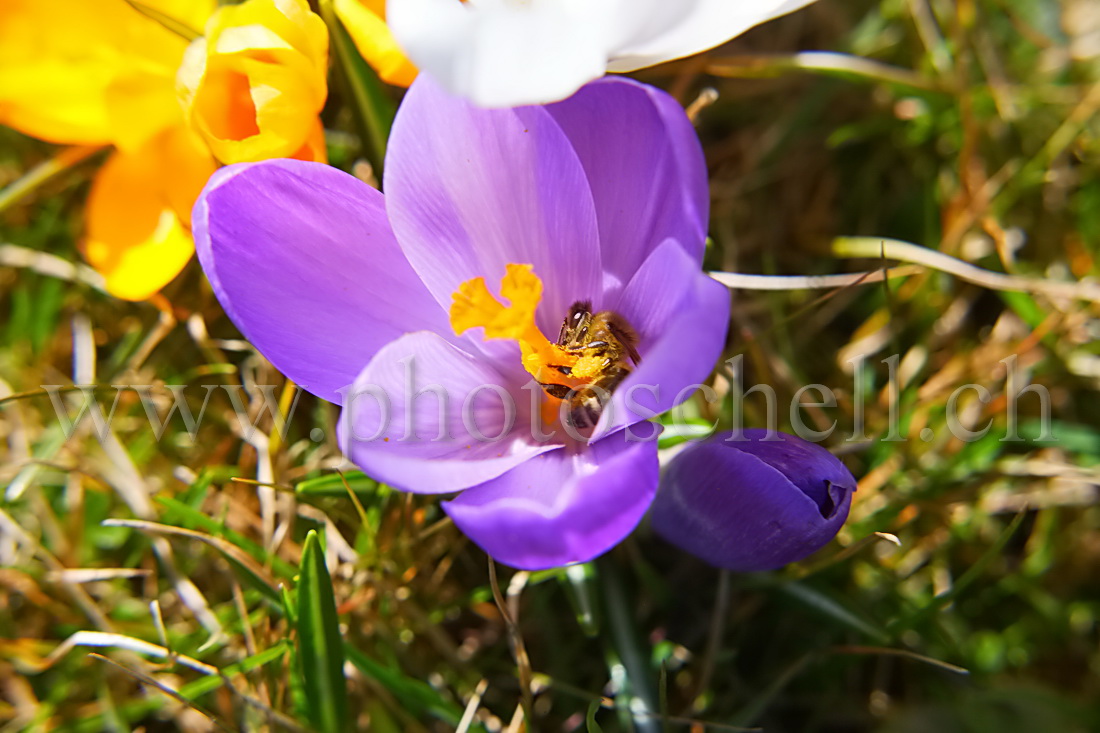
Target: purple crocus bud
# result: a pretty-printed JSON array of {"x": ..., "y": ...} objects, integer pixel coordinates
[{"x": 753, "y": 502}]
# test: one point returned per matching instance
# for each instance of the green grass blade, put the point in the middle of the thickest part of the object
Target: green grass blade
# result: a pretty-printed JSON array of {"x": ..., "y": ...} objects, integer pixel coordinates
[
  {"x": 590, "y": 718},
  {"x": 250, "y": 570},
  {"x": 417, "y": 697},
  {"x": 965, "y": 580},
  {"x": 831, "y": 608},
  {"x": 374, "y": 110},
  {"x": 182, "y": 514},
  {"x": 631, "y": 651},
  {"x": 333, "y": 485},
  {"x": 321, "y": 648}
]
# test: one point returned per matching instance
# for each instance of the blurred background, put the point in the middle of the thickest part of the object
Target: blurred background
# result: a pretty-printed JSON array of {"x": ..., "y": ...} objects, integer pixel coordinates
[{"x": 962, "y": 595}]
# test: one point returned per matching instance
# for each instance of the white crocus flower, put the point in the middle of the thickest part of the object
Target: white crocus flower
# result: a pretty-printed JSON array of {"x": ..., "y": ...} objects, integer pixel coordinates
[{"x": 503, "y": 53}]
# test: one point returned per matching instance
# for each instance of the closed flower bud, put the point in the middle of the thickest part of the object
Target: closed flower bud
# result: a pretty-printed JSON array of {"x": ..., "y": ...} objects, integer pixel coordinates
[{"x": 753, "y": 502}]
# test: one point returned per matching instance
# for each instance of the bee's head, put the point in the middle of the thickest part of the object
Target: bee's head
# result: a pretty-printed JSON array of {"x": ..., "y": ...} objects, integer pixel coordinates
[{"x": 578, "y": 312}]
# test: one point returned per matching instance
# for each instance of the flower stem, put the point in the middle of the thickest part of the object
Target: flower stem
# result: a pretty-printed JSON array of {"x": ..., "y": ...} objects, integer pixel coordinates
[
  {"x": 715, "y": 632},
  {"x": 373, "y": 110},
  {"x": 178, "y": 27},
  {"x": 523, "y": 662},
  {"x": 618, "y": 607}
]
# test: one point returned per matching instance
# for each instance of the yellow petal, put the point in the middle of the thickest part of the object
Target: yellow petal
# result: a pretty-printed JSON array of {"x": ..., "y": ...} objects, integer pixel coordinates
[
  {"x": 44, "y": 101},
  {"x": 139, "y": 105},
  {"x": 249, "y": 109},
  {"x": 314, "y": 148},
  {"x": 253, "y": 87},
  {"x": 290, "y": 20},
  {"x": 366, "y": 24},
  {"x": 138, "y": 213},
  {"x": 191, "y": 13},
  {"x": 64, "y": 64},
  {"x": 189, "y": 166}
]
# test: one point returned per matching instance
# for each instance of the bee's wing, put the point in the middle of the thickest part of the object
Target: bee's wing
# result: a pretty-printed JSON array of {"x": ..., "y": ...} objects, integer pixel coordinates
[{"x": 626, "y": 336}]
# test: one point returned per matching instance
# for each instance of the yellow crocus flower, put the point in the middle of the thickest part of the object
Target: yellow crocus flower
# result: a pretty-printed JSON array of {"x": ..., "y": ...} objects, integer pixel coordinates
[
  {"x": 138, "y": 220},
  {"x": 73, "y": 71},
  {"x": 79, "y": 72},
  {"x": 254, "y": 85}
]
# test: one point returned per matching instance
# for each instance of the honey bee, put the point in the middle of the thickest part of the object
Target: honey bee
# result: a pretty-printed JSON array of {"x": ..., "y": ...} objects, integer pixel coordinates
[{"x": 605, "y": 335}]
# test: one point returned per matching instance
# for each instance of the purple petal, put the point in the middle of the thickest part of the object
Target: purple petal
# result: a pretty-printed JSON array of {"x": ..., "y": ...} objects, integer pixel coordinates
[
  {"x": 470, "y": 190},
  {"x": 645, "y": 168},
  {"x": 561, "y": 507},
  {"x": 815, "y": 471},
  {"x": 753, "y": 504},
  {"x": 681, "y": 316},
  {"x": 303, "y": 260},
  {"x": 414, "y": 447}
]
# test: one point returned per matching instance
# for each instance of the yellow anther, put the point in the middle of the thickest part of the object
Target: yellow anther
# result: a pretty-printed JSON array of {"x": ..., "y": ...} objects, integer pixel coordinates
[{"x": 473, "y": 306}]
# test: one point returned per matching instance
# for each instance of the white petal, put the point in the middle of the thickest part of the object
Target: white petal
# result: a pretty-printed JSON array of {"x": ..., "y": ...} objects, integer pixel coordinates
[
  {"x": 504, "y": 54},
  {"x": 708, "y": 23}
]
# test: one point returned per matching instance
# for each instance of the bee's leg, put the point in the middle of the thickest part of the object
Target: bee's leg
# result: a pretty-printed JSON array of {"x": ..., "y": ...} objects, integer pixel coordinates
[
  {"x": 611, "y": 378},
  {"x": 557, "y": 391},
  {"x": 585, "y": 406},
  {"x": 587, "y": 402}
]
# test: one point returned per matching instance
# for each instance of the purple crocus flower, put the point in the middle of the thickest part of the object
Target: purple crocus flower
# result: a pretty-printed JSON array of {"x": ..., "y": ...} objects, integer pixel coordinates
[
  {"x": 598, "y": 203},
  {"x": 752, "y": 502}
]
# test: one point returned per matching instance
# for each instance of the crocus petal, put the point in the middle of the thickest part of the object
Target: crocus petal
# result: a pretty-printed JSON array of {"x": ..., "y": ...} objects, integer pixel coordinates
[
  {"x": 61, "y": 61},
  {"x": 365, "y": 21},
  {"x": 753, "y": 504},
  {"x": 708, "y": 23},
  {"x": 236, "y": 127},
  {"x": 272, "y": 26},
  {"x": 502, "y": 54},
  {"x": 681, "y": 316},
  {"x": 141, "y": 103},
  {"x": 182, "y": 152},
  {"x": 137, "y": 216},
  {"x": 191, "y": 14},
  {"x": 561, "y": 507},
  {"x": 303, "y": 260},
  {"x": 314, "y": 148},
  {"x": 645, "y": 167},
  {"x": 489, "y": 188},
  {"x": 254, "y": 85},
  {"x": 392, "y": 426}
]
